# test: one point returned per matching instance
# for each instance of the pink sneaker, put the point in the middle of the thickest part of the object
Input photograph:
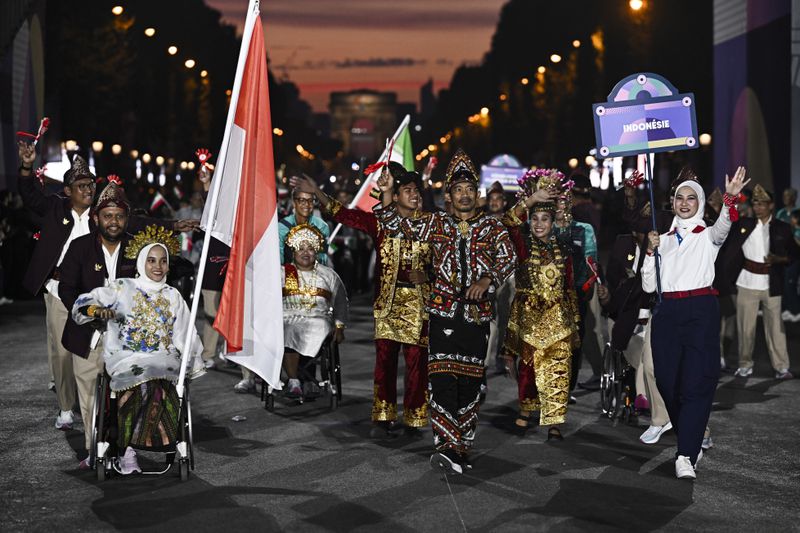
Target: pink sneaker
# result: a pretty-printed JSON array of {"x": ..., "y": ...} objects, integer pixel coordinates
[{"x": 128, "y": 463}]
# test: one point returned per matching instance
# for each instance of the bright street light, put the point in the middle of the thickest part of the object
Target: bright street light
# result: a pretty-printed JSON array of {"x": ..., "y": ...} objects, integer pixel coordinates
[
  {"x": 149, "y": 31},
  {"x": 555, "y": 58},
  {"x": 189, "y": 63},
  {"x": 636, "y": 5},
  {"x": 117, "y": 10},
  {"x": 97, "y": 146},
  {"x": 116, "y": 149},
  {"x": 172, "y": 50}
]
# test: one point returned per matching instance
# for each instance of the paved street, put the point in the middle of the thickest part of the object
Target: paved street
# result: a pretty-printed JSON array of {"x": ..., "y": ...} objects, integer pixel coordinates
[{"x": 305, "y": 469}]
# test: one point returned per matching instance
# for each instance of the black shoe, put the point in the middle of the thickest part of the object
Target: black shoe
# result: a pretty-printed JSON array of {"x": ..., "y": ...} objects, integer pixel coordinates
[
  {"x": 464, "y": 461},
  {"x": 381, "y": 430},
  {"x": 520, "y": 429},
  {"x": 412, "y": 433},
  {"x": 554, "y": 434},
  {"x": 448, "y": 460},
  {"x": 593, "y": 383}
]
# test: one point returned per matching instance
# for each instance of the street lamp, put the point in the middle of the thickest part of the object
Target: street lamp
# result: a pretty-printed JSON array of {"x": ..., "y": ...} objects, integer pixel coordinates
[
  {"x": 524, "y": 81},
  {"x": 541, "y": 69},
  {"x": 189, "y": 63},
  {"x": 116, "y": 149},
  {"x": 203, "y": 73},
  {"x": 117, "y": 10},
  {"x": 576, "y": 43},
  {"x": 146, "y": 158},
  {"x": 97, "y": 146},
  {"x": 555, "y": 58},
  {"x": 172, "y": 50},
  {"x": 159, "y": 160},
  {"x": 636, "y": 5},
  {"x": 484, "y": 111},
  {"x": 134, "y": 154},
  {"x": 150, "y": 32},
  {"x": 71, "y": 145},
  {"x": 705, "y": 139}
]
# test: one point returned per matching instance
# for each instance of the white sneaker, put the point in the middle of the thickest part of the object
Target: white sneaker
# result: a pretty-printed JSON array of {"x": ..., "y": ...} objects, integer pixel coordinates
[
  {"x": 684, "y": 468},
  {"x": 128, "y": 464},
  {"x": 51, "y": 386},
  {"x": 784, "y": 373},
  {"x": 699, "y": 456},
  {"x": 743, "y": 372},
  {"x": 210, "y": 364},
  {"x": 65, "y": 420},
  {"x": 245, "y": 386},
  {"x": 4, "y": 301},
  {"x": 653, "y": 433},
  {"x": 707, "y": 442}
]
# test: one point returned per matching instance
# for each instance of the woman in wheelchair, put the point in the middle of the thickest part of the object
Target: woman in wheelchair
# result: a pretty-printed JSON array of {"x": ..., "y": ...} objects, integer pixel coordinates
[
  {"x": 314, "y": 308},
  {"x": 146, "y": 321}
]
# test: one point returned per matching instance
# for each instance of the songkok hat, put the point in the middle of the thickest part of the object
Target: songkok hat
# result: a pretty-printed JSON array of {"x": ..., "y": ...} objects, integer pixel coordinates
[
  {"x": 460, "y": 168},
  {"x": 305, "y": 233},
  {"x": 760, "y": 194},
  {"x": 112, "y": 196},
  {"x": 79, "y": 169},
  {"x": 405, "y": 178},
  {"x": 495, "y": 187}
]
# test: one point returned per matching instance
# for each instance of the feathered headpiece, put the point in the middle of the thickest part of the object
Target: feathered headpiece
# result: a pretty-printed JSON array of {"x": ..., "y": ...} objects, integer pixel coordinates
[
  {"x": 460, "y": 168},
  {"x": 152, "y": 235},
  {"x": 305, "y": 233}
]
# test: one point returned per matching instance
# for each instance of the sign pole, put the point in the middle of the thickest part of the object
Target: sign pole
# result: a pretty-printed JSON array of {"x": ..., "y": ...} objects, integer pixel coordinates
[{"x": 649, "y": 176}]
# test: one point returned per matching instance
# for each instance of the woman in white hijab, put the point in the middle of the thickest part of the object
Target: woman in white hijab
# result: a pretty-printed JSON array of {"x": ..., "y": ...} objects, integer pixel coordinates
[
  {"x": 147, "y": 321},
  {"x": 685, "y": 325}
]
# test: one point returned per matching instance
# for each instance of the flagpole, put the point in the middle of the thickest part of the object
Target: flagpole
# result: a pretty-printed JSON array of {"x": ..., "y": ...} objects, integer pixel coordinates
[
  {"x": 363, "y": 190},
  {"x": 252, "y": 14}
]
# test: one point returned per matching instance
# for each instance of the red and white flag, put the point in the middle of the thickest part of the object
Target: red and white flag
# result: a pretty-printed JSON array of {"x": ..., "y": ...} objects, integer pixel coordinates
[
  {"x": 243, "y": 214},
  {"x": 158, "y": 201}
]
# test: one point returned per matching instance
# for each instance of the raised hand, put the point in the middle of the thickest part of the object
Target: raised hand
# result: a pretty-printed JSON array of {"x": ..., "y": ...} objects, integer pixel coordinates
[
  {"x": 734, "y": 186},
  {"x": 542, "y": 195},
  {"x": 385, "y": 181},
  {"x": 303, "y": 184},
  {"x": 27, "y": 154},
  {"x": 186, "y": 225}
]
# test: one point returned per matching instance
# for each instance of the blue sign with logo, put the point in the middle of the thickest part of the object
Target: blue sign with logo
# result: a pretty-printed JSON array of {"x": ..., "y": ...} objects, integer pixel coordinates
[
  {"x": 644, "y": 114},
  {"x": 505, "y": 169}
]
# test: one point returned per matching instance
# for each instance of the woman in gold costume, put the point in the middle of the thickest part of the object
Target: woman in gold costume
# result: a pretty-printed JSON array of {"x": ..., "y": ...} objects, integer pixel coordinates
[{"x": 543, "y": 325}]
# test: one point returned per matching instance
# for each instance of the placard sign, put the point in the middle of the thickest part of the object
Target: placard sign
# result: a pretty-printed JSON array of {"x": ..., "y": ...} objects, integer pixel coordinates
[
  {"x": 644, "y": 114},
  {"x": 505, "y": 169}
]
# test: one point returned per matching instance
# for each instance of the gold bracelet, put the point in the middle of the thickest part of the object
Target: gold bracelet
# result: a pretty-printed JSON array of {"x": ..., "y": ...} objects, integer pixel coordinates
[
  {"x": 91, "y": 310},
  {"x": 340, "y": 326}
]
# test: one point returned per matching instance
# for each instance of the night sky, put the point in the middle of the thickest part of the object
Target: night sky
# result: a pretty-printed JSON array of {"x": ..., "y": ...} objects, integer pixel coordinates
[{"x": 338, "y": 45}]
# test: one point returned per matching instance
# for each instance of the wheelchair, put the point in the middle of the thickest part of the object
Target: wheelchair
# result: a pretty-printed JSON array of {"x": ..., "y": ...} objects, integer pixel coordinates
[
  {"x": 104, "y": 424},
  {"x": 617, "y": 385},
  {"x": 330, "y": 371}
]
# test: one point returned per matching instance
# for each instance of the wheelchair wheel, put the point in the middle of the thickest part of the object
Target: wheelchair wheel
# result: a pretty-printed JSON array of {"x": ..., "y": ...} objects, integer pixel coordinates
[{"x": 606, "y": 381}]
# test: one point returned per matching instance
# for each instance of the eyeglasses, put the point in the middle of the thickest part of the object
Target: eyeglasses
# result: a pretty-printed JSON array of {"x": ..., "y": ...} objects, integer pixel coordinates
[
  {"x": 309, "y": 201},
  {"x": 84, "y": 186}
]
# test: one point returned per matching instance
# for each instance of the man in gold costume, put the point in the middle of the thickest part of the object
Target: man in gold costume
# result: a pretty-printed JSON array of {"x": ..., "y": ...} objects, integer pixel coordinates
[{"x": 401, "y": 290}]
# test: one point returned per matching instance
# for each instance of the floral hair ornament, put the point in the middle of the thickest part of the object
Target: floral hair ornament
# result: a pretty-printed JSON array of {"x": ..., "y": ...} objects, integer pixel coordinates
[
  {"x": 43, "y": 126},
  {"x": 305, "y": 233},
  {"x": 543, "y": 178},
  {"x": 152, "y": 235}
]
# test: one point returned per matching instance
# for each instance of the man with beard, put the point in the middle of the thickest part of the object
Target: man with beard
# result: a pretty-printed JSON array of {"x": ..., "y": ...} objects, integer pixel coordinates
[
  {"x": 401, "y": 289},
  {"x": 63, "y": 219},
  {"x": 471, "y": 255},
  {"x": 92, "y": 261}
]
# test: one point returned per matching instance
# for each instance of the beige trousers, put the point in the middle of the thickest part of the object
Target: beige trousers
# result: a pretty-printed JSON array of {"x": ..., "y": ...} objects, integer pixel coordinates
[
  {"x": 640, "y": 356},
  {"x": 210, "y": 335},
  {"x": 60, "y": 358},
  {"x": 86, "y": 371},
  {"x": 748, "y": 302}
]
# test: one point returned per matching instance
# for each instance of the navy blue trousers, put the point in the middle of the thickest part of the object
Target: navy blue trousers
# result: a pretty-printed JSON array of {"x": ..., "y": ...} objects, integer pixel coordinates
[{"x": 685, "y": 343}]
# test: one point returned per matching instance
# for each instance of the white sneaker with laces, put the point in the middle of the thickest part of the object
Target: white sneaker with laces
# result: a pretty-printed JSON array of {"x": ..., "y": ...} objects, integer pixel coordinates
[
  {"x": 684, "y": 468},
  {"x": 128, "y": 464},
  {"x": 653, "y": 433},
  {"x": 245, "y": 386},
  {"x": 743, "y": 372},
  {"x": 65, "y": 420}
]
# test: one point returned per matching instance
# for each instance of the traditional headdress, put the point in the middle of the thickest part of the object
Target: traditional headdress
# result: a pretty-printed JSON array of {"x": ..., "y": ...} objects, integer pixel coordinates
[
  {"x": 405, "y": 178},
  {"x": 545, "y": 178},
  {"x": 152, "y": 235},
  {"x": 686, "y": 174},
  {"x": 305, "y": 233},
  {"x": 112, "y": 196},
  {"x": 760, "y": 194},
  {"x": 495, "y": 187},
  {"x": 460, "y": 168},
  {"x": 79, "y": 169}
]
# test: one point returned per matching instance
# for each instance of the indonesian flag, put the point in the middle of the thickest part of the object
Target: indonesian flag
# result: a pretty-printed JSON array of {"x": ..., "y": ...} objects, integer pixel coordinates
[
  {"x": 158, "y": 201},
  {"x": 401, "y": 152},
  {"x": 243, "y": 215}
]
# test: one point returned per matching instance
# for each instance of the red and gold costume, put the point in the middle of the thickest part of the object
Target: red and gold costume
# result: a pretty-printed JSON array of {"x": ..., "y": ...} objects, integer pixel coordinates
[
  {"x": 543, "y": 322},
  {"x": 401, "y": 320}
]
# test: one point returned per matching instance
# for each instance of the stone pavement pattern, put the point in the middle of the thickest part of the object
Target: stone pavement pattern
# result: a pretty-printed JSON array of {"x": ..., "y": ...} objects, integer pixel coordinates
[{"x": 305, "y": 469}]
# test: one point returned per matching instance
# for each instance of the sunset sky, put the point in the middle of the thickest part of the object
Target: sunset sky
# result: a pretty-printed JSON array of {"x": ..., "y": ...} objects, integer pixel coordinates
[{"x": 338, "y": 45}]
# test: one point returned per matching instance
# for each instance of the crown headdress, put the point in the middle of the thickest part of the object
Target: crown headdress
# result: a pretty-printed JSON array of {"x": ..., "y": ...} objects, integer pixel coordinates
[
  {"x": 460, "y": 167},
  {"x": 305, "y": 233},
  {"x": 152, "y": 235}
]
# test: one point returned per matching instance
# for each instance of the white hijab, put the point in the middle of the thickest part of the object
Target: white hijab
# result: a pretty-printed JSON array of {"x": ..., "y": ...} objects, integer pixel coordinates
[
  {"x": 688, "y": 224},
  {"x": 142, "y": 281}
]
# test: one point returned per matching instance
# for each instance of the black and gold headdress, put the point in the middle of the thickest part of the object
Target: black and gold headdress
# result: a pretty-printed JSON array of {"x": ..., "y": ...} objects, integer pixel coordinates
[{"x": 460, "y": 168}]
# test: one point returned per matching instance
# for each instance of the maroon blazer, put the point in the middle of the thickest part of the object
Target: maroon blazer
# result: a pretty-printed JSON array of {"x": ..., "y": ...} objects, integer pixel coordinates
[{"x": 84, "y": 269}]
